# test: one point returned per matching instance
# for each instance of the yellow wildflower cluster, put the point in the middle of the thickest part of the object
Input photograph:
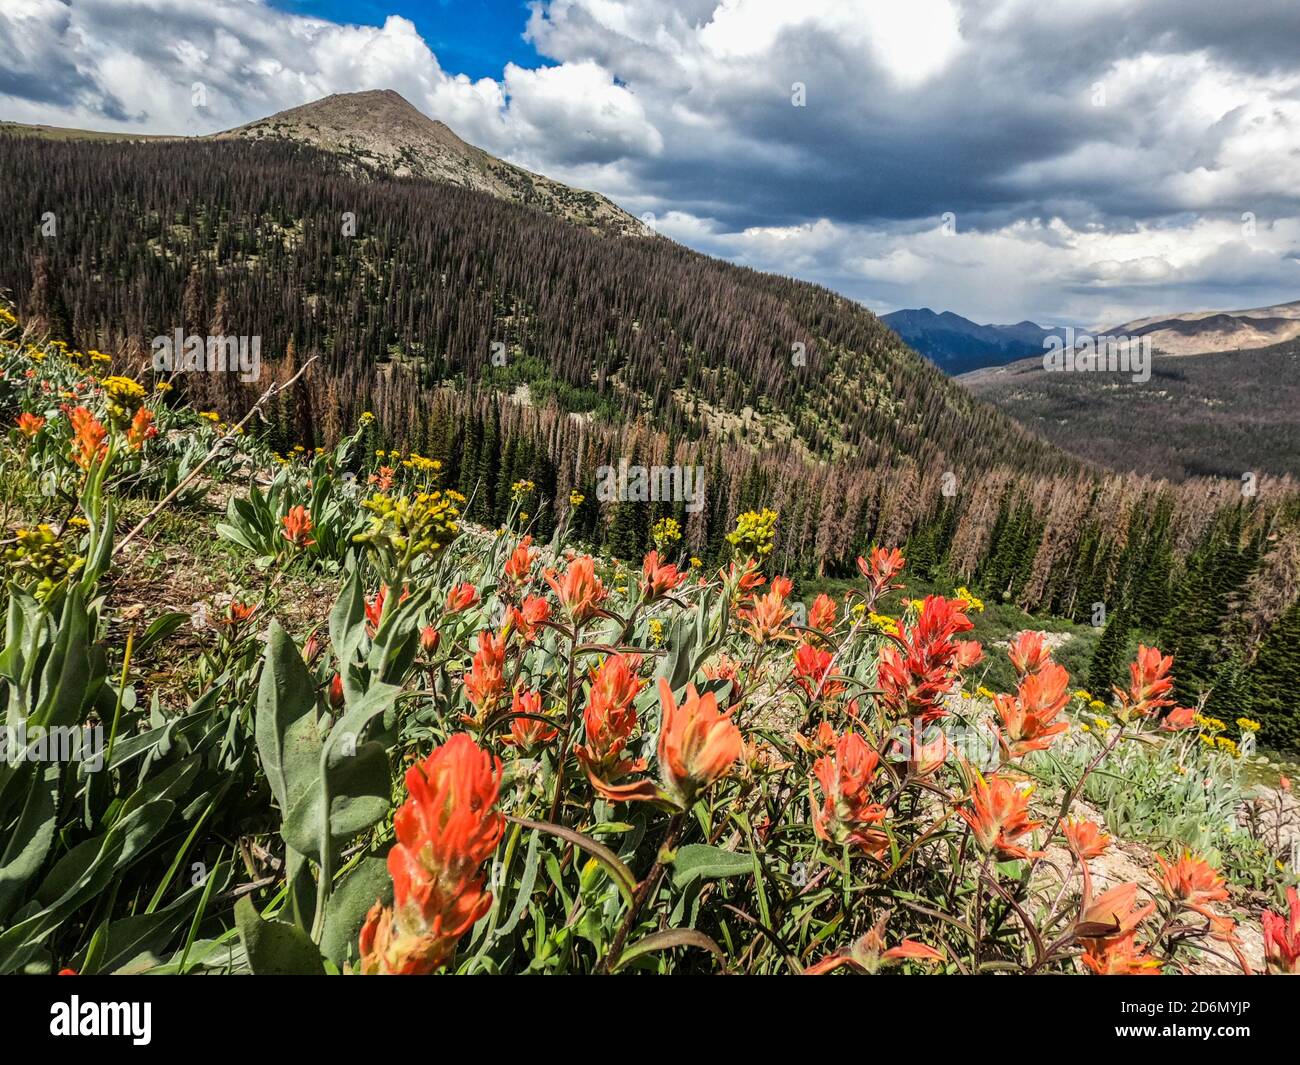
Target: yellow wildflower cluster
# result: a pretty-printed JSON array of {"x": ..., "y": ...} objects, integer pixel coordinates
[
  {"x": 665, "y": 531},
  {"x": 1212, "y": 725},
  {"x": 124, "y": 396},
  {"x": 7, "y": 318},
  {"x": 411, "y": 525},
  {"x": 40, "y": 555},
  {"x": 1247, "y": 725},
  {"x": 972, "y": 601},
  {"x": 754, "y": 532},
  {"x": 656, "y": 628},
  {"x": 521, "y": 490},
  {"x": 576, "y": 498},
  {"x": 883, "y": 624},
  {"x": 421, "y": 463}
]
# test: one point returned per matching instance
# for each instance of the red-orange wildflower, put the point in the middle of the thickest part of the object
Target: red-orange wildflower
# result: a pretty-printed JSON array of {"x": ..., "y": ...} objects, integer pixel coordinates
[
  {"x": 1282, "y": 936},
  {"x": 1112, "y": 914},
  {"x": 822, "y": 615},
  {"x": 89, "y": 438},
  {"x": 520, "y": 563},
  {"x": 430, "y": 638},
  {"x": 526, "y": 618},
  {"x": 461, "y": 597},
  {"x": 30, "y": 424},
  {"x": 659, "y": 578},
  {"x": 528, "y": 732},
  {"x": 579, "y": 589},
  {"x": 846, "y": 811},
  {"x": 811, "y": 666},
  {"x": 374, "y": 608},
  {"x": 999, "y": 814},
  {"x": 867, "y": 953},
  {"x": 446, "y": 830},
  {"x": 1085, "y": 838},
  {"x": 1179, "y": 718},
  {"x": 880, "y": 569},
  {"x": 297, "y": 526},
  {"x": 766, "y": 617},
  {"x": 485, "y": 682},
  {"x": 608, "y": 721},
  {"x": 1029, "y": 717},
  {"x": 1119, "y": 956},
  {"x": 141, "y": 429},
  {"x": 914, "y": 681},
  {"x": 1191, "y": 880},
  {"x": 697, "y": 743},
  {"x": 1027, "y": 652},
  {"x": 1149, "y": 685}
]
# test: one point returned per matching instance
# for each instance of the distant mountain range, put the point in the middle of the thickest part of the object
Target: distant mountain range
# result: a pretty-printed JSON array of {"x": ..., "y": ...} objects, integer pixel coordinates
[
  {"x": 1205, "y": 332},
  {"x": 957, "y": 345}
]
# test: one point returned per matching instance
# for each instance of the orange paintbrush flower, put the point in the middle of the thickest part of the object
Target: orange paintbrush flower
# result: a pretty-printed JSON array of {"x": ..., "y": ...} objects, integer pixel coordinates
[
  {"x": 846, "y": 811},
  {"x": 520, "y": 562},
  {"x": 579, "y": 589},
  {"x": 811, "y": 667},
  {"x": 822, "y": 615},
  {"x": 659, "y": 578},
  {"x": 430, "y": 638},
  {"x": 1085, "y": 838},
  {"x": 528, "y": 732},
  {"x": 914, "y": 680},
  {"x": 1029, "y": 717},
  {"x": 1027, "y": 653},
  {"x": 766, "y": 617},
  {"x": 1119, "y": 956},
  {"x": 1149, "y": 684},
  {"x": 461, "y": 597},
  {"x": 1191, "y": 880},
  {"x": 868, "y": 954},
  {"x": 526, "y": 618},
  {"x": 141, "y": 429},
  {"x": 880, "y": 569},
  {"x": 297, "y": 526},
  {"x": 740, "y": 579},
  {"x": 697, "y": 743},
  {"x": 485, "y": 682},
  {"x": 1179, "y": 718},
  {"x": 446, "y": 830},
  {"x": 999, "y": 815},
  {"x": 1112, "y": 914},
  {"x": 1282, "y": 936},
  {"x": 89, "y": 438},
  {"x": 608, "y": 722},
  {"x": 30, "y": 424}
]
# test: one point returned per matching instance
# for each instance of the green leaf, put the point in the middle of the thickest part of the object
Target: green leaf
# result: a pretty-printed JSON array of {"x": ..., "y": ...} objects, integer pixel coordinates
[
  {"x": 622, "y": 874},
  {"x": 699, "y": 861},
  {"x": 285, "y": 728},
  {"x": 274, "y": 948},
  {"x": 348, "y": 905},
  {"x": 666, "y": 940}
]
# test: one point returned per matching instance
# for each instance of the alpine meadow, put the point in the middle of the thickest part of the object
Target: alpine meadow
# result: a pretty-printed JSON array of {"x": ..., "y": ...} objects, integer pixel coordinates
[{"x": 543, "y": 557}]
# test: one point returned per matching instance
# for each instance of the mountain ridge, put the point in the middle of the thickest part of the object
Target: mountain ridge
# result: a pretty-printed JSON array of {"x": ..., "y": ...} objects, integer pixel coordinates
[{"x": 959, "y": 345}]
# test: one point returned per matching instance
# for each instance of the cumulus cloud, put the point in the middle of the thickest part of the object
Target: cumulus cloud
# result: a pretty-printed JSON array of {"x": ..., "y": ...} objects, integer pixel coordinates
[{"x": 1096, "y": 160}]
